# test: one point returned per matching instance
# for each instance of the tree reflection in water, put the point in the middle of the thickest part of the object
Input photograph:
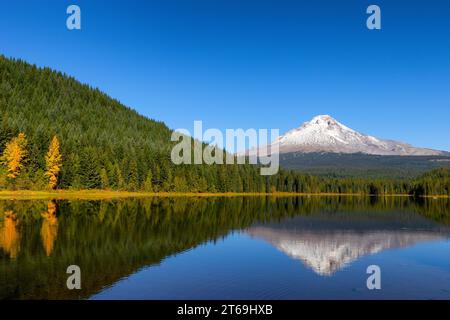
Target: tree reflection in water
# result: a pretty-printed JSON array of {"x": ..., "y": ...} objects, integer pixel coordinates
[{"x": 112, "y": 239}]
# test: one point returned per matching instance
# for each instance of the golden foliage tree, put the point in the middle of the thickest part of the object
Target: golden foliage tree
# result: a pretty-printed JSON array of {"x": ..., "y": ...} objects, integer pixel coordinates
[
  {"x": 53, "y": 161},
  {"x": 14, "y": 155}
]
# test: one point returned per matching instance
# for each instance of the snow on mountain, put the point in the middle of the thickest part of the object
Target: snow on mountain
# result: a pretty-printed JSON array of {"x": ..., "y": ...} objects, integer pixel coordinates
[
  {"x": 325, "y": 134},
  {"x": 327, "y": 252},
  {"x": 329, "y": 241}
]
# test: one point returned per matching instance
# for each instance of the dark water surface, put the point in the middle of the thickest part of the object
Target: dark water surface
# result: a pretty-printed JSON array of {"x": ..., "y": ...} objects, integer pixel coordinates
[{"x": 226, "y": 248}]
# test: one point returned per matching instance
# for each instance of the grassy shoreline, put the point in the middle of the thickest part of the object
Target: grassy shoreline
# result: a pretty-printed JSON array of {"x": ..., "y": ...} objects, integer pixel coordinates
[{"x": 107, "y": 194}]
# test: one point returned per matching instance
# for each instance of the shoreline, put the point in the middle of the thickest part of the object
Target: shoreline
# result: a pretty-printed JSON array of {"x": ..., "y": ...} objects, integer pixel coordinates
[{"x": 107, "y": 194}]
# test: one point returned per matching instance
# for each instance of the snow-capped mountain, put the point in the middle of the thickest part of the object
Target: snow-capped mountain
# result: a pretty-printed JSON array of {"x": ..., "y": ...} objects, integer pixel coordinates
[{"x": 325, "y": 134}]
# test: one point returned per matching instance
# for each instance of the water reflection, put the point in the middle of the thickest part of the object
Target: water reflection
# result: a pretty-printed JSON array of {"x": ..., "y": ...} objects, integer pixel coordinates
[
  {"x": 49, "y": 229},
  {"x": 9, "y": 235},
  {"x": 112, "y": 239},
  {"x": 327, "y": 243}
]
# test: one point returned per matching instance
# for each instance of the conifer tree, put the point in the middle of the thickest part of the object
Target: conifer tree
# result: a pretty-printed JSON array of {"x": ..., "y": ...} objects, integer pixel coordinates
[
  {"x": 104, "y": 179},
  {"x": 120, "y": 185},
  {"x": 133, "y": 179},
  {"x": 148, "y": 184}
]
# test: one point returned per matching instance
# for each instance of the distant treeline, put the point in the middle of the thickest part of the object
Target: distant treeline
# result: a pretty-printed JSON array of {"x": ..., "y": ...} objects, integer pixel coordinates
[
  {"x": 58, "y": 133},
  {"x": 341, "y": 165}
]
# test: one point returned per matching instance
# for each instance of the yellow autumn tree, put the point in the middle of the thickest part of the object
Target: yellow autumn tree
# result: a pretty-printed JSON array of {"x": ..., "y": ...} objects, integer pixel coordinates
[
  {"x": 53, "y": 161},
  {"x": 14, "y": 155}
]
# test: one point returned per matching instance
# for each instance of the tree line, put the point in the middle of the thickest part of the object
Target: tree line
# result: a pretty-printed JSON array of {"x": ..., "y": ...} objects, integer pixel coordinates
[{"x": 17, "y": 172}]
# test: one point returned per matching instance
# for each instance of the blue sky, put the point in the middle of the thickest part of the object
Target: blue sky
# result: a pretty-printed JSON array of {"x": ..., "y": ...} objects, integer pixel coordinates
[{"x": 252, "y": 64}]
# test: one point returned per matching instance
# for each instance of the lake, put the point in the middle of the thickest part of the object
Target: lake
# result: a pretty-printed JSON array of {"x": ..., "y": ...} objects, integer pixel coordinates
[{"x": 226, "y": 248}]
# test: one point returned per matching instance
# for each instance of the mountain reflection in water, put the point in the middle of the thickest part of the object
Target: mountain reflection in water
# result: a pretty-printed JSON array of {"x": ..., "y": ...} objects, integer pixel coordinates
[
  {"x": 327, "y": 243},
  {"x": 114, "y": 239}
]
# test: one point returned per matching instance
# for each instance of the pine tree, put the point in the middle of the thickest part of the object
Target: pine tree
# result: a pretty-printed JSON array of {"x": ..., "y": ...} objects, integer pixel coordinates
[
  {"x": 104, "y": 179},
  {"x": 202, "y": 184},
  {"x": 90, "y": 172},
  {"x": 53, "y": 161},
  {"x": 148, "y": 184},
  {"x": 133, "y": 179},
  {"x": 180, "y": 184},
  {"x": 119, "y": 178}
]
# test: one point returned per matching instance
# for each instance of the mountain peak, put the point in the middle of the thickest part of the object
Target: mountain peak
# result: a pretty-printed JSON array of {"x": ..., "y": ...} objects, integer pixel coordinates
[
  {"x": 322, "y": 118},
  {"x": 324, "y": 121},
  {"x": 325, "y": 134}
]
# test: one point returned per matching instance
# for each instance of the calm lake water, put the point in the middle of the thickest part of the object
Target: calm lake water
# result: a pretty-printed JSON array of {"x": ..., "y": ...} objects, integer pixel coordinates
[{"x": 226, "y": 248}]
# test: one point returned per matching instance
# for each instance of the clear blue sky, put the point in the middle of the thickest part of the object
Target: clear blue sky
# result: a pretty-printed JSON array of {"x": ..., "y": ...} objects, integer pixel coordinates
[{"x": 252, "y": 64}]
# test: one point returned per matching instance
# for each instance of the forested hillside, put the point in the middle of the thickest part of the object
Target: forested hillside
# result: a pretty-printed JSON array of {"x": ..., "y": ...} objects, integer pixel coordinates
[
  {"x": 56, "y": 133},
  {"x": 104, "y": 144}
]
